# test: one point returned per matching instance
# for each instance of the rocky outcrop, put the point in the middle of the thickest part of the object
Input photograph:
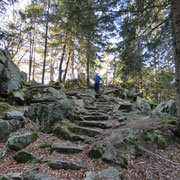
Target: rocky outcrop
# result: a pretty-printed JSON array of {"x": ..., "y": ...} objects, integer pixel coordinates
[
  {"x": 10, "y": 78},
  {"x": 46, "y": 114},
  {"x": 49, "y": 94},
  {"x": 143, "y": 105},
  {"x": 88, "y": 96},
  {"x": 8, "y": 126},
  {"x": 157, "y": 138},
  {"x": 168, "y": 107},
  {"x": 4, "y": 129}
]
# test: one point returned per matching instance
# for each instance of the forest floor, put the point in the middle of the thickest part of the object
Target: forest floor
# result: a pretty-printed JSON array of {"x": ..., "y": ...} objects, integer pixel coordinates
[{"x": 154, "y": 164}]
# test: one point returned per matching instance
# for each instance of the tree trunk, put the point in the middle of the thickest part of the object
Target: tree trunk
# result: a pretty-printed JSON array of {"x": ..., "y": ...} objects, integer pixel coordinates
[
  {"x": 72, "y": 65},
  {"x": 67, "y": 64},
  {"x": 34, "y": 52},
  {"x": 87, "y": 61},
  {"x": 155, "y": 78},
  {"x": 176, "y": 19},
  {"x": 45, "y": 45},
  {"x": 61, "y": 62},
  {"x": 30, "y": 56}
]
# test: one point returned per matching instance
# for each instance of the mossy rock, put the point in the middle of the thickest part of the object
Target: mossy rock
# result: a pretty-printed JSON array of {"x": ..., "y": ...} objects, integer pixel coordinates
[
  {"x": 34, "y": 135},
  {"x": 156, "y": 137},
  {"x": 74, "y": 117},
  {"x": 4, "y": 177},
  {"x": 29, "y": 83},
  {"x": 24, "y": 156},
  {"x": 45, "y": 145},
  {"x": 63, "y": 132},
  {"x": 96, "y": 152},
  {"x": 53, "y": 83},
  {"x": 4, "y": 107},
  {"x": 173, "y": 122},
  {"x": 74, "y": 83},
  {"x": 122, "y": 161}
]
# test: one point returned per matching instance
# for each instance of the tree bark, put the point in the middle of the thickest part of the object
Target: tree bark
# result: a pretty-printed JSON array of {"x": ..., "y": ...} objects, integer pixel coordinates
[
  {"x": 176, "y": 20},
  {"x": 67, "y": 64},
  {"x": 61, "y": 62},
  {"x": 45, "y": 45},
  {"x": 72, "y": 65},
  {"x": 34, "y": 52},
  {"x": 87, "y": 61},
  {"x": 30, "y": 56}
]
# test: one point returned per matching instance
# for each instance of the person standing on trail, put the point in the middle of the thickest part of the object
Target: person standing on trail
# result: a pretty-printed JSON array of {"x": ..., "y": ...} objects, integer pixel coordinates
[{"x": 97, "y": 80}]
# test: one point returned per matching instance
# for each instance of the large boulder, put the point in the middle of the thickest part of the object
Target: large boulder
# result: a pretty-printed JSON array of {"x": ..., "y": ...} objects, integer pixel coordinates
[
  {"x": 17, "y": 97},
  {"x": 4, "y": 130},
  {"x": 168, "y": 107},
  {"x": 125, "y": 140},
  {"x": 157, "y": 138},
  {"x": 74, "y": 83},
  {"x": 88, "y": 96},
  {"x": 46, "y": 114},
  {"x": 6, "y": 127},
  {"x": 24, "y": 156},
  {"x": 23, "y": 75},
  {"x": 22, "y": 140},
  {"x": 45, "y": 95},
  {"x": 143, "y": 105},
  {"x": 10, "y": 78},
  {"x": 4, "y": 107},
  {"x": 17, "y": 115}
]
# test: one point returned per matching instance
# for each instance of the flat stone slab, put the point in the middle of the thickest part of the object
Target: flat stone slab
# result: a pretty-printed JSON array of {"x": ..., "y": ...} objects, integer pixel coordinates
[
  {"x": 97, "y": 124},
  {"x": 107, "y": 174},
  {"x": 14, "y": 115},
  {"x": 44, "y": 176},
  {"x": 96, "y": 118},
  {"x": 59, "y": 164},
  {"x": 86, "y": 131},
  {"x": 66, "y": 148}
]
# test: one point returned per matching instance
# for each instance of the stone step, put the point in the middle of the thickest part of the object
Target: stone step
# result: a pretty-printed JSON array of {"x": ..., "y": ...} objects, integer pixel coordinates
[
  {"x": 95, "y": 113},
  {"x": 91, "y": 107},
  {"x": 96, "y": 118},
  {"x": 86, "y": 131},
  {"x": 59, "y": 164},
  {"x": 103, "y": 103},
  {"x": 98, "y": 124},
  {"x": 66, "y": 148}
]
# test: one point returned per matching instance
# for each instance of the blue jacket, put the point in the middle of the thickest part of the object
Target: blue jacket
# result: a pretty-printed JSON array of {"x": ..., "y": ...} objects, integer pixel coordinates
[{"x": 96, "y": 79}]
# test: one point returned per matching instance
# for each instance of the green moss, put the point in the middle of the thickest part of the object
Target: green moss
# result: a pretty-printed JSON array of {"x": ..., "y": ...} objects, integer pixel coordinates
[
  {"x": 133, "y": 112},
  {"x": 4, "y": 108},
  {"x": 24, "y": 156},
  {"x": 96, "y": 152},
  {"x": 173, "y": 122},
  {"x": 162, "y": 142},
  {"x": 45, "y": 145},
  {"x": 123, "y": 162},
  {"x": 24, "y": 83},
  {"x": 34, "y": 136},
  {"x": 145, "y": 136},
  {"x": 63, "y": 132},
  {"x": 156, "y": 137}
]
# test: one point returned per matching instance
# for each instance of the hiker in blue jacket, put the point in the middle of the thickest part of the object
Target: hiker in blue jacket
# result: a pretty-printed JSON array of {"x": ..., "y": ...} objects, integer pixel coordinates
[{"x": 97, "y": 80}]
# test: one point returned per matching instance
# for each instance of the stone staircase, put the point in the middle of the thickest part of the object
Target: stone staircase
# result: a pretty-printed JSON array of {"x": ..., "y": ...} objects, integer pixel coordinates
[{"x": 95, "y": 120}]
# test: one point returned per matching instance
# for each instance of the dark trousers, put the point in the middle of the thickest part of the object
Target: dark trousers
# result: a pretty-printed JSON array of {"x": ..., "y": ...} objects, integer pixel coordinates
[{"x": 96, "y": 87}]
